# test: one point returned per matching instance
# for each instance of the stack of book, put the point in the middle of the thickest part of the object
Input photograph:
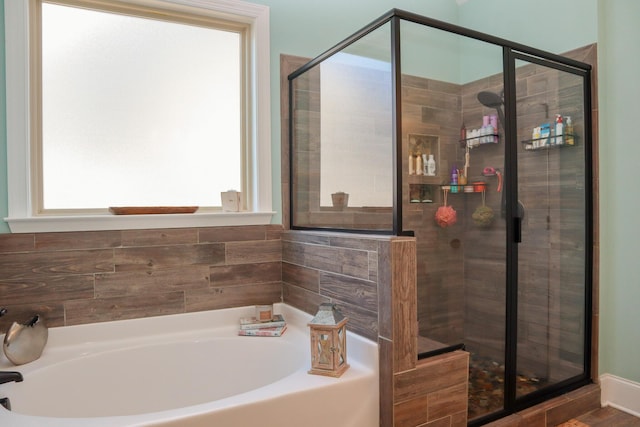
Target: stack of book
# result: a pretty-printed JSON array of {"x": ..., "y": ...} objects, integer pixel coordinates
[{"x": 250, "y": 326}]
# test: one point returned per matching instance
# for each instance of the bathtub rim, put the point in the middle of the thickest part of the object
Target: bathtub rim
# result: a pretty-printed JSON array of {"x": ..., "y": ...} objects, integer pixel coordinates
[{"x": 362, "y": 356}]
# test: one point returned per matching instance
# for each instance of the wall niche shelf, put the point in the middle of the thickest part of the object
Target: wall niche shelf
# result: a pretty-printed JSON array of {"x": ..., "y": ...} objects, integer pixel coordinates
[
  {"x": 419, "y": 145},
  {"x": 549, "y": 142},
  {"x": 423, "y": 188},
  {"x": 423, "y": 193}
]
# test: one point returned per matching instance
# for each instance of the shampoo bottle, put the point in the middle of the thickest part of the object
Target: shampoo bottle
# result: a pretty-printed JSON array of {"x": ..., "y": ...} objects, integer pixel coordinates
[
  {"x": 559, "y": 130},
  {"x": 490, "y": 138},
  {"x": 568, "y": 131},
  {"x": 493, "y": 120},
  {"x": 419, "y": 166},
  {"x": 431, "y": 166},
  {"x": 454, "y": 175}
]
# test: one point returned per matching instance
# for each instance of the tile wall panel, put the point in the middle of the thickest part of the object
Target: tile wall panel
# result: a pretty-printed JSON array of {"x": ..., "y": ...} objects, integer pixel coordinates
[
  {"x": 43, "y": 264},
  {"x": 238, "y": 274},
  {"x": 214, "y": 298},
  {"x": 17, "y": 243},
  {"x": 306, "y": 278},
  {"x": 159, "y": 257},
  {"x": 177, "y": 236},
  {"x": 151, "y": 281},
  {"x": 302, "y": 299},
  {"x": 77, "y": 240},
  {"x": 323, "y": 267},
  {"x": 121, "y": 308},
  {"x": 84, "y": 277}
]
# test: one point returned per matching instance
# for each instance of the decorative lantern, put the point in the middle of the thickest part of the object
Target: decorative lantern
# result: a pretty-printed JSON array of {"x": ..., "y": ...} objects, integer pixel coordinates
[{"x": 328, "y": 341}]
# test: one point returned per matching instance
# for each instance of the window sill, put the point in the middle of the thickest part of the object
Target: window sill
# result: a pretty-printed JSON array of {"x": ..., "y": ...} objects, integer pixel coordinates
[{"x": 128, "y": 222}]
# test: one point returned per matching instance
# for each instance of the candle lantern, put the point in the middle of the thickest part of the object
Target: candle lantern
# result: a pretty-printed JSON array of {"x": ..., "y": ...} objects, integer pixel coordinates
[{"x": 328, "y": 341}]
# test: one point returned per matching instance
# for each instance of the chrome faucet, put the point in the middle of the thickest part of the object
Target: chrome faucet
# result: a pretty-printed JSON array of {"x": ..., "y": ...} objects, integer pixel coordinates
[
  {"x": 9, "y": 376},
  {"x": 24, "y": 343}
]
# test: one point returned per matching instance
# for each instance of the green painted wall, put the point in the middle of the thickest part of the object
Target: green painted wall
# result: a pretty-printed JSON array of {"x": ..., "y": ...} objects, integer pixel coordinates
[
  {"x": 619, "y": 92},
  {"x": 308, "y": 28},
  {"x": 554, "y": 26}
]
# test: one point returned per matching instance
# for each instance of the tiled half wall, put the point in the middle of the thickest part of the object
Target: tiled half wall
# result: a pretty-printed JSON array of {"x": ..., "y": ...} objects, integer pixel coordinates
[{"x": 87, "y": 277}]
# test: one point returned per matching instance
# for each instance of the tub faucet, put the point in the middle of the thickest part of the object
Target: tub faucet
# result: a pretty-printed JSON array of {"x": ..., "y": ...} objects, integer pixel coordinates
[
  {"x": 6, "y": 377},
  {"x": 9, "y": 376}
]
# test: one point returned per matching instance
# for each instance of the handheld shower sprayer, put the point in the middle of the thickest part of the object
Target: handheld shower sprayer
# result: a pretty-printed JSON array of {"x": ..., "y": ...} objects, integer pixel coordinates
[{"x": 493, "y": 100}]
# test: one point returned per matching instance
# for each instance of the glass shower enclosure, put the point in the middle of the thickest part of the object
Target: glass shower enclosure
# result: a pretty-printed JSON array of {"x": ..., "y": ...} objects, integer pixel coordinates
[{"x": 481, "y": 149}]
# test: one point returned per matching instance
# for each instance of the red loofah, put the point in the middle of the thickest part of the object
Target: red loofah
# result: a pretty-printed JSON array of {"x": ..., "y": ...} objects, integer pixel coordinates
[{"x": 446, "y": 216}]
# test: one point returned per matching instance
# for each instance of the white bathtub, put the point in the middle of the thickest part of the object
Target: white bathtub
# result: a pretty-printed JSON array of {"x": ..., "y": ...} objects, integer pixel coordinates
[{"x": 190, "y": 370}]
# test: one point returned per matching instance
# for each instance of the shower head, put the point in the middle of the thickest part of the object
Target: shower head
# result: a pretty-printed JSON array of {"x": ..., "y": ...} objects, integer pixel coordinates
[{"x": 490, "y": 99}]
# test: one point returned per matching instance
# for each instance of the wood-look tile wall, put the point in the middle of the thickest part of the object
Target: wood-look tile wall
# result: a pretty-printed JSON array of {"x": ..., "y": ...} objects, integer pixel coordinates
[
  {"x": 431, "y": 392},
  {"x": 331, "y": 267},
  {"x": 431, "y": 107},
  {"x": 86, "y": 277}
]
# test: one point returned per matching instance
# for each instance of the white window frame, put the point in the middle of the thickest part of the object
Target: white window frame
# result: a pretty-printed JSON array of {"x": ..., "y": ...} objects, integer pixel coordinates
[{"x": 22, "y": 218}]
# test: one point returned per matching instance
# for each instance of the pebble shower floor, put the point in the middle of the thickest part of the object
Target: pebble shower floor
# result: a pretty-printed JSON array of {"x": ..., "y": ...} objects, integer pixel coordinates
[{"x": 486, "y": 386}]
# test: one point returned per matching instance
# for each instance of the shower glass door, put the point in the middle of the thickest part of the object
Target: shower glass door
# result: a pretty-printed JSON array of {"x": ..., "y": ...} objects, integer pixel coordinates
[{"x": 553, "y": 206}]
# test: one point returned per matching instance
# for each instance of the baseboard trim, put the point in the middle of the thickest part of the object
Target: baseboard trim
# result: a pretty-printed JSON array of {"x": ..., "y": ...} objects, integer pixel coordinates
[{"x": 620, "y": 393}]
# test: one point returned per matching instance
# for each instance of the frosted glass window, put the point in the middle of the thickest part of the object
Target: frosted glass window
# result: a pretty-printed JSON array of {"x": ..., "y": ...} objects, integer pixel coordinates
[{"x": 138, "y": 111}]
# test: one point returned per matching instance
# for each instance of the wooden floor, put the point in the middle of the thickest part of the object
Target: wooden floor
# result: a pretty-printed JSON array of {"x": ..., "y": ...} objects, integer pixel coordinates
[{"x": 604, "y": 417}]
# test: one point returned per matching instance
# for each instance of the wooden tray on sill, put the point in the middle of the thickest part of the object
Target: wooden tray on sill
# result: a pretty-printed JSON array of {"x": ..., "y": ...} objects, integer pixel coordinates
[{"x": 152, "y": 210}]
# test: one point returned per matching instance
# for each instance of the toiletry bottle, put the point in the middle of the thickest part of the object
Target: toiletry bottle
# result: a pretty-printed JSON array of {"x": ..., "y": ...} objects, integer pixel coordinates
[
  {"x": 536, "y": 137},
  {"x": 419, "y": 167},
  {"x": 475, "y": 141},
  {"x": 454, "y": 175},
  {"x": 431, "y": 166},
  {"x": 484, "y": 131},
  {"x": 545, "y": 135},
  {"x": 559, "y": 130},
  {"x": 568, "y": 131},
  {"x": 412, "y": 170},
  {"x": 490, "y": 138},
  {"x": 493, "y": 121},
  {"x": 424, "y": 164}
]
